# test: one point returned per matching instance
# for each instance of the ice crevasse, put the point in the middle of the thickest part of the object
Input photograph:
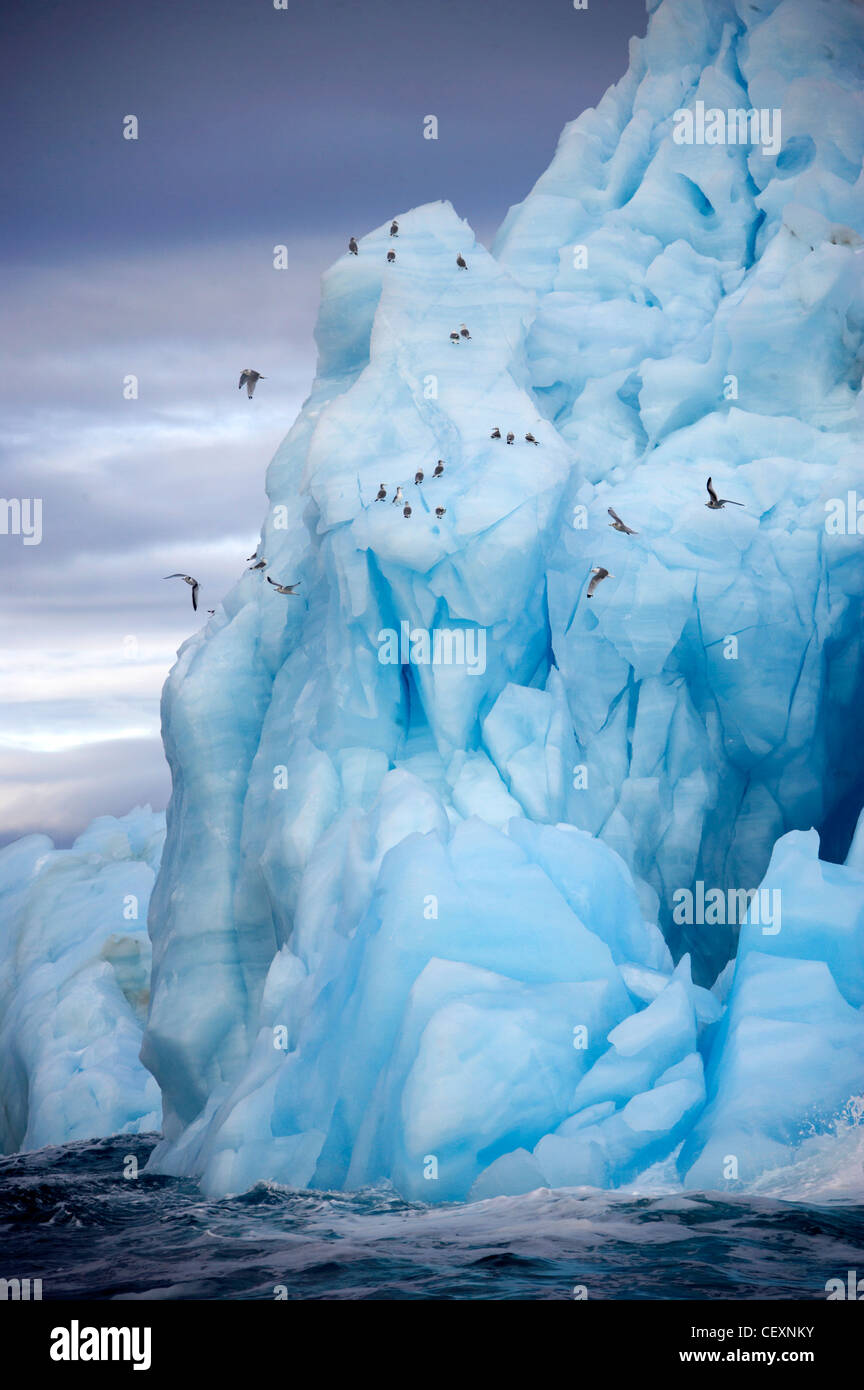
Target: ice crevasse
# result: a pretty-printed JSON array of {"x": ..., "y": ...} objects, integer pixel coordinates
[{"x": 420, "y": 921}]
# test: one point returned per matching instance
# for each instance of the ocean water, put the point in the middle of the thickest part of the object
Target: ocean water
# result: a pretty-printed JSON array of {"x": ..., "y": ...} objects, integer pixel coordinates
[{"x": 69, "y": 1217}]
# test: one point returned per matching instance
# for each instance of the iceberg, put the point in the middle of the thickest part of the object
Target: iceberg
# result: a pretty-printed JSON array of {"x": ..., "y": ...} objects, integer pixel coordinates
[
  {"x": 448, "y": 843},
  {"x": 75, "y": 984},
  {"x": 416, "y": 921}
]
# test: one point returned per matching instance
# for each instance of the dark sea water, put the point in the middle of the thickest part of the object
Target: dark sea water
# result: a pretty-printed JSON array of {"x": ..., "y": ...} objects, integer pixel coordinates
[{"x": 69, "y": 1217}]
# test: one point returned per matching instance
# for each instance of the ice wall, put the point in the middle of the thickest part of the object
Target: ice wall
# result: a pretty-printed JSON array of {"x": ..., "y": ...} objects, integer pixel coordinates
[
  {"x": 405, "y": 922},
  {"x": 75, "y": 982}
]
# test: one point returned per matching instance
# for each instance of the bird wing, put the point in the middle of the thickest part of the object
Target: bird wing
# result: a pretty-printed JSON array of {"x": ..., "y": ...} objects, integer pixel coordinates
[
  {"x": 272, "y": 581},
  {"x": 711, "y": 493},
  {"x": 614, "y": 515},
  {"x": 250, "y": 385},
  {"x": 176, "y": 576},
  {"x": 243, "y": 377},
  {"x": 195, "y": 596},
  {"x": 728, "y": 502}
]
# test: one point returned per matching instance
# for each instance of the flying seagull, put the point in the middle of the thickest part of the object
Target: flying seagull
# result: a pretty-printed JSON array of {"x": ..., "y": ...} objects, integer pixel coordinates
[
  {"x": 531, "y": 440},
  {"x": 717, "y": 503},
  {"x": 394, "y": 228},
  {"x": 438, "y": 469},
  {"x": 419, "y": 476},
  {"x": 496, "y": 433},
  {"x": 251, "y": 380},
  {"x": 284, "y": 588},
  {"x": 352, "y": 246},
  {"x": 189, "y": 580},
  {"x": 618, "y": 525},
  {"x": 391, "y": 256},
  {"x": 461, "y": 262},
  {"x": 599, "y": 575},
  {"x": 382, "y": 493}
]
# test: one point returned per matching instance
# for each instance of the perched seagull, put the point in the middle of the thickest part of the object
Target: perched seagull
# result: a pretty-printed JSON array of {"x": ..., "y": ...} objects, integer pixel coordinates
[
  {"x": 510, "y": 438},
  {"x": 382, "y": 493},
  {"x": 418, "y": 476},
  {"x": 394, "y": 228},
  {"x": 406, "y": 510},
  {"x": 261, "y": 565},
  {"x": 352, "y": 246},
  {"x": 284, "y": 588},
  {"x": 439, "y": 512},
  {"x": 252, "y": 557},
  {"x": 251, "y": 379},
  {"x": 717, "y": 503},
  {"x": 439, "y": 469},
  {"x": 391, "y": 256},
  {"x": 531, "y": 439},
  {"x": 398, "y": 497},
  {"x": 454, "y": 337},
  {"x": 188, "y": 580},
  {"x": 618, "y": 525},
  {"x": 463, "y": 332},
  {"x": 461, "y": 262},
  {"x": 496, "y": 433},
  {"x": 599, "y": 575}
]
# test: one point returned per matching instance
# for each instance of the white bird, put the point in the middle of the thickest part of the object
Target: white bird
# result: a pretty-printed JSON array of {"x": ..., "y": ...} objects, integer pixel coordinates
[
  {"x": 187, "y": 578},
  {"x": 618, "y": 525},
  {"x": 717, "y": 503},
  {"x": 251, "y": 380},
  {"x": 599, "y": 574},
  {"x": 284, "y": 588},
  {"x": 398, "y": 497}
]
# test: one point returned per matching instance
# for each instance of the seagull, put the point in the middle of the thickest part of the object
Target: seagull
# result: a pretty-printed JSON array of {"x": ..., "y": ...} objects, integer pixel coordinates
[
  {"x": 251, "y": 379},
  {"x": 382, "y": 493},
  {"x": 418, "y": 476},
  {"x": 394, "y": 228},
  {"x": 531, "y": 439},
  {"x": 454, "y": 338},
  {"x": 261, "y": 565},
  {"x": 510, "y": 438},
  {"x": 252, "y": 557},
  {"x": 463, "y": 332},
  {"x": 211, "y": 611},
  {"x": 461, "y": 262},
  {"x": 599, "y": 575},
  {"x": 398, "y": 497},
  {"x": 496, "y": 433},
  {"x": 618, "y": 525},
  {"x": 716, "y": 503},
  {"x": 352, "y": 246},
  {"x": 391, "y": 256},
  {"x": 439, "y": 512},
  {"x": 439, "y": 469},
  {"x": 406, "y": 510},
  {"x": 189, "y": 580},
  {"x": 284, "y": 588}
]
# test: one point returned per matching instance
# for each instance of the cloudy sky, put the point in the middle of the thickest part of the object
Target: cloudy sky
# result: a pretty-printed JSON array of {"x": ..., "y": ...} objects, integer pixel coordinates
[{"x": 154, "y": 258}]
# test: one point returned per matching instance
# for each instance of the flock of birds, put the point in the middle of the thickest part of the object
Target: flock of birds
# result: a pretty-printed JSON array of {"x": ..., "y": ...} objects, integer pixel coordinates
[
  {"x": 599, "y": 572},
  {"x": 250, "y": 378}
]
